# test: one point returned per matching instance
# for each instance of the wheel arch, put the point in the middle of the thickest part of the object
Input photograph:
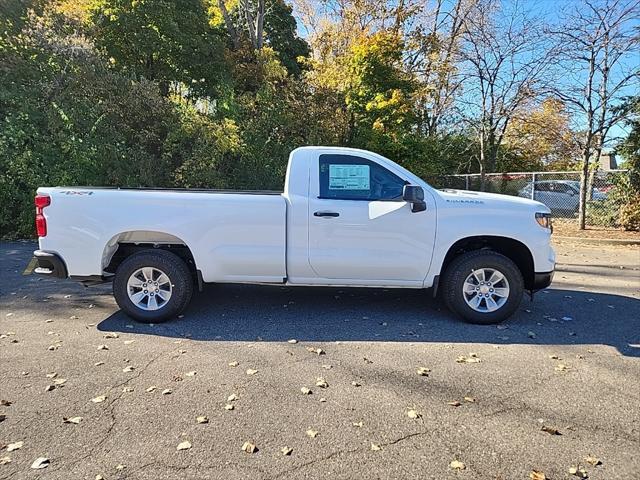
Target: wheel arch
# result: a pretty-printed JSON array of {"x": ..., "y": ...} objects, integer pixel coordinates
[
  {"x": 125, "y": 244},
  {"x": 511, "y": 248}
]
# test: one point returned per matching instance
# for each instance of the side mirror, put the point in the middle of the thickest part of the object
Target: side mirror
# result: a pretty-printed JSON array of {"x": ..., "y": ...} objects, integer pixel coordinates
[{"x": 414, "y": 195}]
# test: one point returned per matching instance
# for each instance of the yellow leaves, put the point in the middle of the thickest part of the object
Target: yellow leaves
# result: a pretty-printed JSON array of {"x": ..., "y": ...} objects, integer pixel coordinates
[
  {"x": 249, "y": 447},
  {"x": 578, "y": 472},
  {"x": 202, "y": 419},
  {"x": 317, "y": 351},
  {"x": 413, "y": 414},
  {"x": 186, "y": 445},
  {"x": 251, "y": 371},
  {"x": 423, "y": 371},
  {"x": 74, "y": 420},
  {"x": 306, "y": 391},
  {"x": 14, "y": 446},
  {"x": 457, "y": 465},
  {"x": 472, "y": 358},
  {"x": 286, "y": 451},
  {"x": 40, "y": 462},
  {"x": 537, "y": 475},
  {"x": 229, "y": 406},
  {"x": 593, "y": 460},
  {"x": 99, "y": 399},
  {"x": 375, "y": 447},
  {"x": 312, "y": 433},
  {"x": 322, "y": 383}
]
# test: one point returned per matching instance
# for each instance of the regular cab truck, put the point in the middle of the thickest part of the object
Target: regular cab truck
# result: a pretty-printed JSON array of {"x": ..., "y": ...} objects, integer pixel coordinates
[{"x": 346, "y": 218}]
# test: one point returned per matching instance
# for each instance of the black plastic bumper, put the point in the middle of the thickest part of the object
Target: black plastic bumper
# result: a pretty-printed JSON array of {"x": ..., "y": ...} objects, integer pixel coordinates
[
  {"x": 542, "y": 280},
  {"x": 49, "y": 264}
]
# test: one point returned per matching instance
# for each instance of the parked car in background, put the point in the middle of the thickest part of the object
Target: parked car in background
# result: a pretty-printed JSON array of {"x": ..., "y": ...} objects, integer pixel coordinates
[{"x": 561, "y": 196}]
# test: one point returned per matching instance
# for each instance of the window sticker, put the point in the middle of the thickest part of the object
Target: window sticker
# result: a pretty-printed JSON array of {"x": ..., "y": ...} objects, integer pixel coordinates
[{"x": 349, "y": 177}]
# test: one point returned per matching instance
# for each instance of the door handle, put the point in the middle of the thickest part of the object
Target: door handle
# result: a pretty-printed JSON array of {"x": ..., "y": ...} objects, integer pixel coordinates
[{"x": 326, "y": 214}]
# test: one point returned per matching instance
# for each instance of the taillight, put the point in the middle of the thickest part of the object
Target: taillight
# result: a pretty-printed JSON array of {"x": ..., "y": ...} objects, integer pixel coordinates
[{"x": 41, "y": 201}]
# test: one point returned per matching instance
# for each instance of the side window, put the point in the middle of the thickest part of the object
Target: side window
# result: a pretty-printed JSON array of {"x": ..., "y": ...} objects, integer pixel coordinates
[
  {"x": 542, "y": 187},
  {"x": 347, "y": 177}
]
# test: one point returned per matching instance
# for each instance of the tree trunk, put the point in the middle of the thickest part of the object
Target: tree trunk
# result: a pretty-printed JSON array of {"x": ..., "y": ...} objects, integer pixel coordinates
[{"x": 584, "y": 176}]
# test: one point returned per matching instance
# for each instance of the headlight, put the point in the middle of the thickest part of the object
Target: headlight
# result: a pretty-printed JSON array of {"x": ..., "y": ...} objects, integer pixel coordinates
[{"x": 544, "y": 220}]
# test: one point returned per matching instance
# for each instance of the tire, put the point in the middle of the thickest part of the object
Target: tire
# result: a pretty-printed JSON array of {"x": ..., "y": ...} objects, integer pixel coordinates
[
  {"x": 459, "y": 278},
  {"x": 177, "y": 288}
]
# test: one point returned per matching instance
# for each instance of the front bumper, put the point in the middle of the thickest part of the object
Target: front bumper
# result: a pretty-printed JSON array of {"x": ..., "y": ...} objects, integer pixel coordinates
[
  {"x": 542, "y": 280},
  {"x": 48, "y": 264}
]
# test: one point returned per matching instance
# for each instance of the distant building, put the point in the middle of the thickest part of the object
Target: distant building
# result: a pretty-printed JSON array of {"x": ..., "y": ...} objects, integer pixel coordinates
[{"x": 608, "y": 161}]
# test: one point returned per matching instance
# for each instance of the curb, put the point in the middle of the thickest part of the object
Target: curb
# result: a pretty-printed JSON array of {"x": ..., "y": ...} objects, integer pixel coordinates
[{"x": 597, "y": 241}]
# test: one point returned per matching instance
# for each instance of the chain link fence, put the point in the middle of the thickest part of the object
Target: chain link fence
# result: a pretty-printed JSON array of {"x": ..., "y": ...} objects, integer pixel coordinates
[{"x": 560, "y": 191}]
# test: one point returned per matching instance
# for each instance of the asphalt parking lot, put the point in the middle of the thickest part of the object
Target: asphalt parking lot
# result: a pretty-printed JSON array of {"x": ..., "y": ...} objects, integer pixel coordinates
[{"x": 555, "y": 387}]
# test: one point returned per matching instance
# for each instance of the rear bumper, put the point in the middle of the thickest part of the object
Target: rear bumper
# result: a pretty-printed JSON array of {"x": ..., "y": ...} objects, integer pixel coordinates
[
  {"x": 542, "y": 280},
  {"x": 49, "y": 264}
]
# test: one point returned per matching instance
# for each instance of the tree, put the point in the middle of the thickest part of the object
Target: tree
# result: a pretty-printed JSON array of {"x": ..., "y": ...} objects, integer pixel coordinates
[
  {"x": 161, "y": 40},
  {"x": 598, "y": 44},
  {"x": 541, "y": 137},
  {"x": 504, "y": 58}
]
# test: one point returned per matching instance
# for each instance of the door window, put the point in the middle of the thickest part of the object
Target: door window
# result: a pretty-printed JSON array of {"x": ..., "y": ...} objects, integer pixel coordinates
[{"x": 348, "y": 177}]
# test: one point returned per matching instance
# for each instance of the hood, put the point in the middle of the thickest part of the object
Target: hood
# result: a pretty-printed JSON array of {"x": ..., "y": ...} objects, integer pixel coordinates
[{"x": 493, "y": 200}]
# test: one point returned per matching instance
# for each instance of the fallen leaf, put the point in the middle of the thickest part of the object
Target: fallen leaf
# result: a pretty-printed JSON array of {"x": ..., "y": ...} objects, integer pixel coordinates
[
  {"x": 186, "y": 445},
  {"x": 5, "y": 460},
  {"x": 52, "y": 375},
  {"x": 472, "y": 358},
  {"x": 231, "y": 398},
  {"x": 454, "y": 403},
  {"x": 40, "y": 462},
  {"x": 550, "y": 430},
  {"x": 103, "y": 347},
  {"x": 111, "y": 335},
  {"x": 327, "y": 367},
  {"x": 233, "y": 364},
  {"x": 229, "y": 406},
  {"x": 128, "y": 342},
  {"x": 190, "y": 374},
  {"x": 578, "y": 472},
  {"x": 375, "y": 447},
  {"x": 537, "y": 475},
  {"x": 249, "y": 447},
  {"x": 306, "y": 391},
  {"x": 167, "y": 391},
  {"x": 128, "y": 369},
  {"x": 593, "y": 460},
  {"x": 561, "y": 367},
  {"x": 312, "y": 433},
  {"x": 120, "y": 467},
  {"x": 286, "y": 450},
  {"x": 251, "y": 371},
  {"x": 127, "y": 390},
  {"x": 97, "y": 364},
  {"x": 75, "y": 420},
  {"x": 99, "y": 399},
  {"x": 356, "y": 384},
  {"x": 151, "y": 389},
  {"x": 424, "y": 371},
  {"x": 202, "y": 419},
  {"x": 59, "y": 381},
  {"x": 321, "y": 382},
  {"x": 457, "y": 465},
  {"x": 99, "y": 477},
  {"x": 469, "y": 399},
  {"x": 317, "y": 351},
  {"x": 413, "y": 414},
  {"x": 14, "y": 446},
  {"x": 49, "y": 388},
  {"x": 358, "y": 424}
]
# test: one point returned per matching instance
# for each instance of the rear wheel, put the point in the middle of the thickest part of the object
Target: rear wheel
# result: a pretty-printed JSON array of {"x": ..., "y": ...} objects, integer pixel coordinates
[
  {"x": 482, "y": 287},
  {"x": 153, "y": 286}
]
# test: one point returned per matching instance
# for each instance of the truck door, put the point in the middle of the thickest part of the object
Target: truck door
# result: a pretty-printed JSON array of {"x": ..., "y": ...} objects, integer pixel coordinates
[{"x": 360, "y": 229}]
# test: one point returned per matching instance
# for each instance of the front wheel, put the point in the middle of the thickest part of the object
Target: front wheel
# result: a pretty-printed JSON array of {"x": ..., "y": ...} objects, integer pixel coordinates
[
  {"x": 152, "y": 286},
  {"x": 482, "y": 287}
]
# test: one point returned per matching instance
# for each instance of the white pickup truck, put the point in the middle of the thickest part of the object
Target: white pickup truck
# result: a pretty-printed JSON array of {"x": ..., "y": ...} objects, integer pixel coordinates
[{"x": 347, "y": 217}]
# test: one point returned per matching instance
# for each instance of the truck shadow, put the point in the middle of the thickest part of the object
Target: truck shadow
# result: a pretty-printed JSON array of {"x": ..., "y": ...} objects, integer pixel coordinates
[{"x": 249, "y": 313}]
